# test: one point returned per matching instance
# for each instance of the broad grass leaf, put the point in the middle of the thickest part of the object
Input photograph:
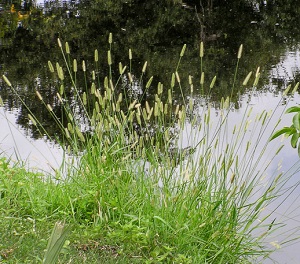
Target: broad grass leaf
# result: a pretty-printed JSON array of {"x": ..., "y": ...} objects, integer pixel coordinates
[
  {"x": 294, "y": 140},
  {"x": 285, "y": 130},
  {"x": 296, "y": 121},
  {"x": 293, "y": 109}
]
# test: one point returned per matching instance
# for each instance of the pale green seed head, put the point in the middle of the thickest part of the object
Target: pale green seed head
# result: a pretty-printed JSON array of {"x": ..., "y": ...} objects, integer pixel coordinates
[
  {"x": 61, "y": 89},
  {"x": 96, "y": 55},
  {"x": 240, "y": 51},
  {"x": 93, "y": 75},
  {"x": 202, "y": 78},
  {"x": 183, "y": 50},
  {"x": 32, "y": 119},
  {"x": 247, "y": 78},
  {"x": 110, "y": 38},
  {"x": 120, "y": 68},
  {"x": 130, "y": 77},
  {"x": 213, "y": 82},
  {"x": 84, "y": 99},
  {"x": 49, "y": 107},
  {"x": 39, "y": 95},
  {"x": 75, "y": 65},
  {"x": 130, "y": 54},
  {"x": 201, "y": 49},
  {"x": 173, "y": 80},
  {"x": 177, "y": 77},
  {"x": 67, "y": 48},
  {"x": 83, "y": 66},
  {"x": 144, "y": 67},
  {"x": 59, "y": 43},
  {"x": 6, "y": 80},
  {"x": 109, "y": 58},
  {"x": 149, "y": 82},
  {"x": 1, "y": 102},
  {"x": 50, "y": 65},
  {"x": 295, "y": 88}
]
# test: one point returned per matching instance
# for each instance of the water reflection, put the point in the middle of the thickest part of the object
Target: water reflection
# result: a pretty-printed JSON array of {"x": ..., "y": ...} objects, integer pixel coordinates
[{"x": 156, "y": 34}]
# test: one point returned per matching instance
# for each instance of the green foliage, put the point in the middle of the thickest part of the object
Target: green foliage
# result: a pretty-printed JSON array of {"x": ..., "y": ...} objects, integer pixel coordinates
[{"x": 293, "y": 131}]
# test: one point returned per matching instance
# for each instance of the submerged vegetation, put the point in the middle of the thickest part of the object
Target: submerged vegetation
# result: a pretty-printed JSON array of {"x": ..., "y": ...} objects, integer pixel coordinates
[{"x": 145, "y": 179}]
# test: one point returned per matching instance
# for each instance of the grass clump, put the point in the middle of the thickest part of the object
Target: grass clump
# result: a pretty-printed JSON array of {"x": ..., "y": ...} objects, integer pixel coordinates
[{"x": 150, "y": 180}]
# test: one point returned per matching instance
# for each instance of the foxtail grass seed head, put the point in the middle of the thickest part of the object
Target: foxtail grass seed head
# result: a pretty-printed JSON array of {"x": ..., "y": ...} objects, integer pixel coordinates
[
  {"x": 70, "y": 116},
  {"x": 70, "y": 128},
  {"x": 83, "y": 66},
  {"x": 67, "y": 48},
  {"x": 110, "y": 38},
  {"x": 96, "y": 55},
  {"x": 173, "y": 80},
  {"x": 67, "y": 133},
  {"x": 212, "y": 84},
  {"x": 132, "y": 105},
  {"x": 109, "y": 57},
  {"x": 247, "y": 78},
  {"x": 120, "y": 68},
  {"x": 59, "y": 43},
  {"x": 6, "y": 80},
  {"x": 177, "y": 77},
  {"x": 106, "y": 83},
  {"x": 75, "y": 65},
  {"x": 130, "y": 77},
  {"x": 79, "y": 134},
  {"x": 61, "y": 74},
  {"x": 144, "y": 67},
  {"x": 32, "y": 119},
  {"x": 240, "y": 51},
  {"x": 84, "y": 99},
  {"x": 61, "y": 89},
  {"x": 149, "y": 82},
  {"x": 147, "y": 107},
  {"x": 202, "y": 78},
  {"x": 93, "y": 75},
  {"x": 50, "y": 65},
  {"x": 49, "y": 107},
  {"x": 170, "y": 96},
  {"x": 183, "y": 50},
  {"x": 59, "y": 98},
  {"x": 256, "y": 80},
  {"x": 201, "y": 49},
  {"x": 111, "y": 85},
  {"x": 285, "y": 92},
  {"x": 39, "y": 95},
  {"x": 150, "y": 113},
  {"x": 130, "y": 54},
  {"x": 160, "y": 88},
  {"x": 295, "y": 88},
  {"x": 257, "y": 71},
  {"x": 1, "y": 102},
  {"x": 190, "y": 79}
]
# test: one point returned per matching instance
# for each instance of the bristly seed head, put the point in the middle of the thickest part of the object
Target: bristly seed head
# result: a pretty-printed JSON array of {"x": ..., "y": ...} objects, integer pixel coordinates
[
  {"x": 130, "y": 54},
  {"x": 75, "y": 65},
  {"x": 240, "y": 51},
  {"x": 182, "y": 50},
  {"x": 59, "y": 43},
  {"x": 144, "y": 67},
  {"x": 83, "y": 66},
  {"x": 39, "y": 95},
  {"x": 109, "y": 58},
  {"x": 96, "y": 57},
  {"x": 51, "y": 68},
  {"x": 67, "y": 48},
  {"x": 6, "y": 80},
  {"x": 201, "y": 49},
  {"x": 110, "y": 38}
]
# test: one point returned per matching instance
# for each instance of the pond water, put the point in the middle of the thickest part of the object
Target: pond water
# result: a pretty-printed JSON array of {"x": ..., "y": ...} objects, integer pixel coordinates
[{"x": 156, "y": 34}]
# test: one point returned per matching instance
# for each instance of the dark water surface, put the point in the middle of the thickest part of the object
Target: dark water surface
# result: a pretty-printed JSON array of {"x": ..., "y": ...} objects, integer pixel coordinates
[{"x": 156, "y": 34}]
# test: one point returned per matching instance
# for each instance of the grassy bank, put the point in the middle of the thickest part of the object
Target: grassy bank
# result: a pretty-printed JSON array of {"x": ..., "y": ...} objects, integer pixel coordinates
[{"x": 155, "y": 181}]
